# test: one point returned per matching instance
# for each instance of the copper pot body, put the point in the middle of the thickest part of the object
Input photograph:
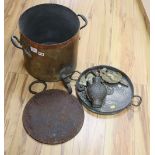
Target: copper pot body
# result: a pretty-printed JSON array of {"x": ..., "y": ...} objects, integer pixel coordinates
[{"x": 46, "y": 63}]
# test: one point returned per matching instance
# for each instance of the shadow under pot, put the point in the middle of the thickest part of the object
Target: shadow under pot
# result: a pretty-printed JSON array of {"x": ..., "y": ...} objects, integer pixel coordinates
[{"x": 49, "y": 36}]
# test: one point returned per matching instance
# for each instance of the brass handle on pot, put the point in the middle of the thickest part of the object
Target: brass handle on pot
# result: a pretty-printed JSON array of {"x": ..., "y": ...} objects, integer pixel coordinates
[
  {"x": 15, "y": 41},
  {"x": 138, "y": 101},
  {"x": 13, "y": 38},
  {"x": 84, "y": 19}
]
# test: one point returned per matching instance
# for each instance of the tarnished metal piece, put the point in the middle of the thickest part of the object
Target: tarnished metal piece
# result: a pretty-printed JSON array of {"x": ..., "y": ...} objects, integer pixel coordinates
[
  {"x": 96, "y": 92},
  {"x": 89, "y": 77},
  {"x": 67, "y": 78},
  {"x": 83, "y": 81},
  {"x": 53, "y": 117},
  {"x": 66, "y": 81},
  {"x": 123, "y": 82},
  {"x": 110, "y": 90},
  {"x": 112, "y": 76}
]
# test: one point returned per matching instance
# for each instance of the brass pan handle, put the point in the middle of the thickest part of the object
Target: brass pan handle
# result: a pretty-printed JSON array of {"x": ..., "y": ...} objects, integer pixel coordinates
[{"x": 138, "y": 101}]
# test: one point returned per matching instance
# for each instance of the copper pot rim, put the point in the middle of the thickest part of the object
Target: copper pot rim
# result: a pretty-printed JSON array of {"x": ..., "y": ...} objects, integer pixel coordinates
[
  {"x": 43, "y": 4},
  {"x": 54, "y": 45},
  {"x": 49, "y": 46}
]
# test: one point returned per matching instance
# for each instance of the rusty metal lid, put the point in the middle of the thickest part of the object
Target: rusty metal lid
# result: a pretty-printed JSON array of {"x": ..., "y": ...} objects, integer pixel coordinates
[{"x": 53, "y": 117}]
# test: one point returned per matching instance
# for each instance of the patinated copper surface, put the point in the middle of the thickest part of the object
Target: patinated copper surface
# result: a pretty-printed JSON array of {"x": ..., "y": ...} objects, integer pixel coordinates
[
  {"x": 53, "y": 117},
  {"x": 56, "y": 58},
  {"x": 49, "y": 36}
]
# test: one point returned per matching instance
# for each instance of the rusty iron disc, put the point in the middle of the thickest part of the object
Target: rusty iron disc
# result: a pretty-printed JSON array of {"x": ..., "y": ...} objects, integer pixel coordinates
[{"x": 53, "y": 117}]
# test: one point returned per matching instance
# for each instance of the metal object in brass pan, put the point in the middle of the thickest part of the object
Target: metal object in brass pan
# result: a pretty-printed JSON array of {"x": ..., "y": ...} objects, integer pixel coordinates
[
  {"x": 118, "y": 97},
  {"x": 112, "y": 77},
  {"x": 49, "y": 36},
  {"x": 96, "y": 92},
  {"x": 52, "y": 116}
]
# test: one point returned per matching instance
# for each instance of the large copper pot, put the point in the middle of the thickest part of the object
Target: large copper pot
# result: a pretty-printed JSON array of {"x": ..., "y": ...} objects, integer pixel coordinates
[{"x": 49, "y": 35}]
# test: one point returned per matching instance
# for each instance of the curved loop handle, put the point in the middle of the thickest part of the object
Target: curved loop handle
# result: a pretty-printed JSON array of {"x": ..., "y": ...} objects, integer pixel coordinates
[
  {"x": 35, "y": 82},
  {"x": 13, "y": 38},
  {"x": 84, "y": 19},
  {"x": 66, "y": 79},
  {"x": 139, "y": 100}
]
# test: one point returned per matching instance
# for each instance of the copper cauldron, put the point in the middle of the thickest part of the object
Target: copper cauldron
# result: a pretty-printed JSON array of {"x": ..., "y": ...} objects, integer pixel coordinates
[{"x": 49, "y": 35}]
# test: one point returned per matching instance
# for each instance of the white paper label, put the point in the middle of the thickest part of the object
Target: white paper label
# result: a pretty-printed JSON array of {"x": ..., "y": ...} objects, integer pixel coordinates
[
  {"x": 34, "y": 49},
  {"x": 40, "y": 53}
]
